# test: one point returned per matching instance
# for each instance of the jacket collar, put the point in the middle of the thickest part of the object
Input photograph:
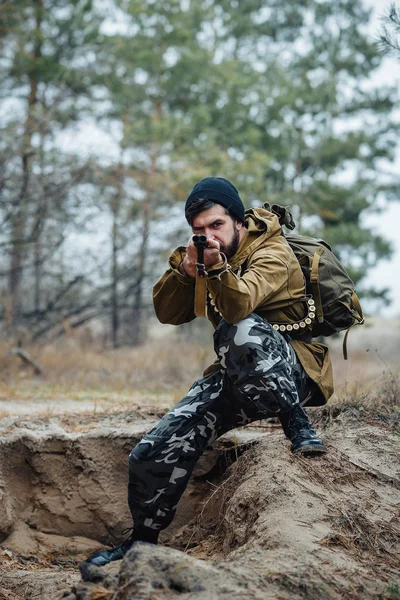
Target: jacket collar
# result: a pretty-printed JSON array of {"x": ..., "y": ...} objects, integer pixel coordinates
[{"x": 261, "y": 225}]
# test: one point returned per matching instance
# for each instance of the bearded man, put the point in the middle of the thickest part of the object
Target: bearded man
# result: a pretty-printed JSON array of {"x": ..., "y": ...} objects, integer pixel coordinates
[{"x": 254, "y": 286}]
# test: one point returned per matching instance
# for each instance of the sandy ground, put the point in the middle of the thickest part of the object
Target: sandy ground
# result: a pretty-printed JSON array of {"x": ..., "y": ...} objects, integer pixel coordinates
[{"x": 256, "y": 522}]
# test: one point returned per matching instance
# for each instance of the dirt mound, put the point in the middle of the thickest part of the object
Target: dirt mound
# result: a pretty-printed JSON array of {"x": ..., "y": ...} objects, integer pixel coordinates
[
  {"x": 256, "y": 522},
  {"x": 149, "y": 572}
]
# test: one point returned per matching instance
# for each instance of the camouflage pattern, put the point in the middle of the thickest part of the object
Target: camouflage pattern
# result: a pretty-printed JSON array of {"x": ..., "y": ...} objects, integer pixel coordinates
[{"x": 260, "y": 377}]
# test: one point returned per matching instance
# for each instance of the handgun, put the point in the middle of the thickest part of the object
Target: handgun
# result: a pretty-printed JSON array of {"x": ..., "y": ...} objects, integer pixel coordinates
[{"x": 200, "y": 241}]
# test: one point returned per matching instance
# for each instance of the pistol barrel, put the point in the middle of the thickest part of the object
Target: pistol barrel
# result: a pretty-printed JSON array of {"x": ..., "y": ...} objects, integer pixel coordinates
[{"x": 200, "y": 241}]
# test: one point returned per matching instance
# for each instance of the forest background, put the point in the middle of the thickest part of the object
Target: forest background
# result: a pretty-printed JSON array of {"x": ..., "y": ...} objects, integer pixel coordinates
[{"x": 282, "y": 98}]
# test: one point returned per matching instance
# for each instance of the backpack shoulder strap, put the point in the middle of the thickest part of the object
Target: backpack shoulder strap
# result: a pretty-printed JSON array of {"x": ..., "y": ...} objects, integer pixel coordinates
[{"x": 314, "y": 280}]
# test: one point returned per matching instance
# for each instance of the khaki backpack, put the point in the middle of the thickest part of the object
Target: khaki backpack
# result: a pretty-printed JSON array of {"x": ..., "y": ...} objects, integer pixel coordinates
[{"x": 337, "y": 306}]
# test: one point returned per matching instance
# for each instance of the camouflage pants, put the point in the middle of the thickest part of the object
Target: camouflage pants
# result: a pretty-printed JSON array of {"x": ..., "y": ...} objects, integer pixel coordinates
[{"x": 260, "y": 377}]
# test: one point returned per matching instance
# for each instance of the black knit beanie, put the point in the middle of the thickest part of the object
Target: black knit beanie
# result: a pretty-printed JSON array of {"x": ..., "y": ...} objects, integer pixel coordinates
[{"x": 221, "y": 191}]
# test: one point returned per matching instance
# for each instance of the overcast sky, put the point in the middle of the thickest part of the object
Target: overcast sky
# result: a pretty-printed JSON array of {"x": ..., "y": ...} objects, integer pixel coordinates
[{"x": 388, "y": 223}]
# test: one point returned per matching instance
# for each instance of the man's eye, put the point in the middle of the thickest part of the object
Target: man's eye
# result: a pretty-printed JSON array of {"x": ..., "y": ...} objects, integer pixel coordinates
[{"x": 216, "y": 225}]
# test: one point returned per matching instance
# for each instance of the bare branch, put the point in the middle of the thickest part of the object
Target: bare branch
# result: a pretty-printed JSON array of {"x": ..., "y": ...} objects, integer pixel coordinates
[{"x": 390, "y": 36}]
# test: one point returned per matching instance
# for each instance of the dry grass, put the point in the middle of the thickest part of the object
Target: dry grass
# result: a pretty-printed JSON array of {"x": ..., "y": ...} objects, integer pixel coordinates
[
  {"x": 69, "y": 369},
  {"x": 372, "y": 371},
  {"x": 355, "y": 532},
  {"x": 165, "y": 368},
  {"x": 100, "y": 593},
  {"x": 211, "y": 526},
  {"x": 382, "y": 388}
]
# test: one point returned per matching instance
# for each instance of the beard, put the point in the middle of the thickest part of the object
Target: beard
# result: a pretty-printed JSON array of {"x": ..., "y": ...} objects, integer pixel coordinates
[{"x": 231, "y": 248}]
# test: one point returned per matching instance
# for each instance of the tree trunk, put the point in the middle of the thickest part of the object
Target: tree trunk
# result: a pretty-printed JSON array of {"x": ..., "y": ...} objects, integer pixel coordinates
[
  {"x": 20, "y": 215},
  {"x": 139, "y": 323},
  {"x": 39, "y": 227},
  {"x": 115, "y": 207},
  {"x": 139, "y": 326}
]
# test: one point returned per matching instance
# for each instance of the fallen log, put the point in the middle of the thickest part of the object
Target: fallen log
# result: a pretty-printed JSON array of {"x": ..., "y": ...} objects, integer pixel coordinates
[{"x": 27, "y": 359}]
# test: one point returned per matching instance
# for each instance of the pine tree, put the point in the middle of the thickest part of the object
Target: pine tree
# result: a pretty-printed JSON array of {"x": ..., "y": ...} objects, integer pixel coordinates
[
  {"x": 273, "y": 97},
  {"x": 390, "y": 36},
  {"x": 46, "y": 69}
]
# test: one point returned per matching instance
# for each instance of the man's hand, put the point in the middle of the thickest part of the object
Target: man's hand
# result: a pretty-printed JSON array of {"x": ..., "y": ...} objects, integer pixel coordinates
[{"x": 212, "y": 256}]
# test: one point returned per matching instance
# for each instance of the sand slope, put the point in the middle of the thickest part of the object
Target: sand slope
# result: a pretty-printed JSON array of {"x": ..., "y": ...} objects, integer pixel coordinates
[{"x": 256, "y": 522}]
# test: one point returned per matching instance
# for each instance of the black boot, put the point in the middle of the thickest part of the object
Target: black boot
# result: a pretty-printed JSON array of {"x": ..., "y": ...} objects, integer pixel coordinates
[
  {"x": 297, "y": 428},
  {"x": 103, "y": 557}
]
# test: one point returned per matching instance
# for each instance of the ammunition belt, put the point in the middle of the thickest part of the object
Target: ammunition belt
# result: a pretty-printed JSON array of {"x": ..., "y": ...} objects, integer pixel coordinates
[{"x": 299, "y": 325}]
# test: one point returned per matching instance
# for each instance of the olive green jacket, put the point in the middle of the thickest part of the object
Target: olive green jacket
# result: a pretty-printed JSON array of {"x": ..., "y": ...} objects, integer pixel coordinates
[{"x": 264, "y": 277}]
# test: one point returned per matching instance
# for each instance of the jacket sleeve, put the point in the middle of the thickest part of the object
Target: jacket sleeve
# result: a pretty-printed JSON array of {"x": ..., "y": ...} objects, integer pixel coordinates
[
  {"x": 236, "y": 297},
  {"x": 173, "y": 294}
]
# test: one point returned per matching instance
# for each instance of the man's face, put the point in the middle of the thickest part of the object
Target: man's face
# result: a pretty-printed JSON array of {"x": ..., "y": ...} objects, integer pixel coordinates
[{"x": 219, "y": 226}]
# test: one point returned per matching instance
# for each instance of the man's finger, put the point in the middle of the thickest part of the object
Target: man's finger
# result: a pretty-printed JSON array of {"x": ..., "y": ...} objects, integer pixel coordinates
[{"x": 213, "y": 243}]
